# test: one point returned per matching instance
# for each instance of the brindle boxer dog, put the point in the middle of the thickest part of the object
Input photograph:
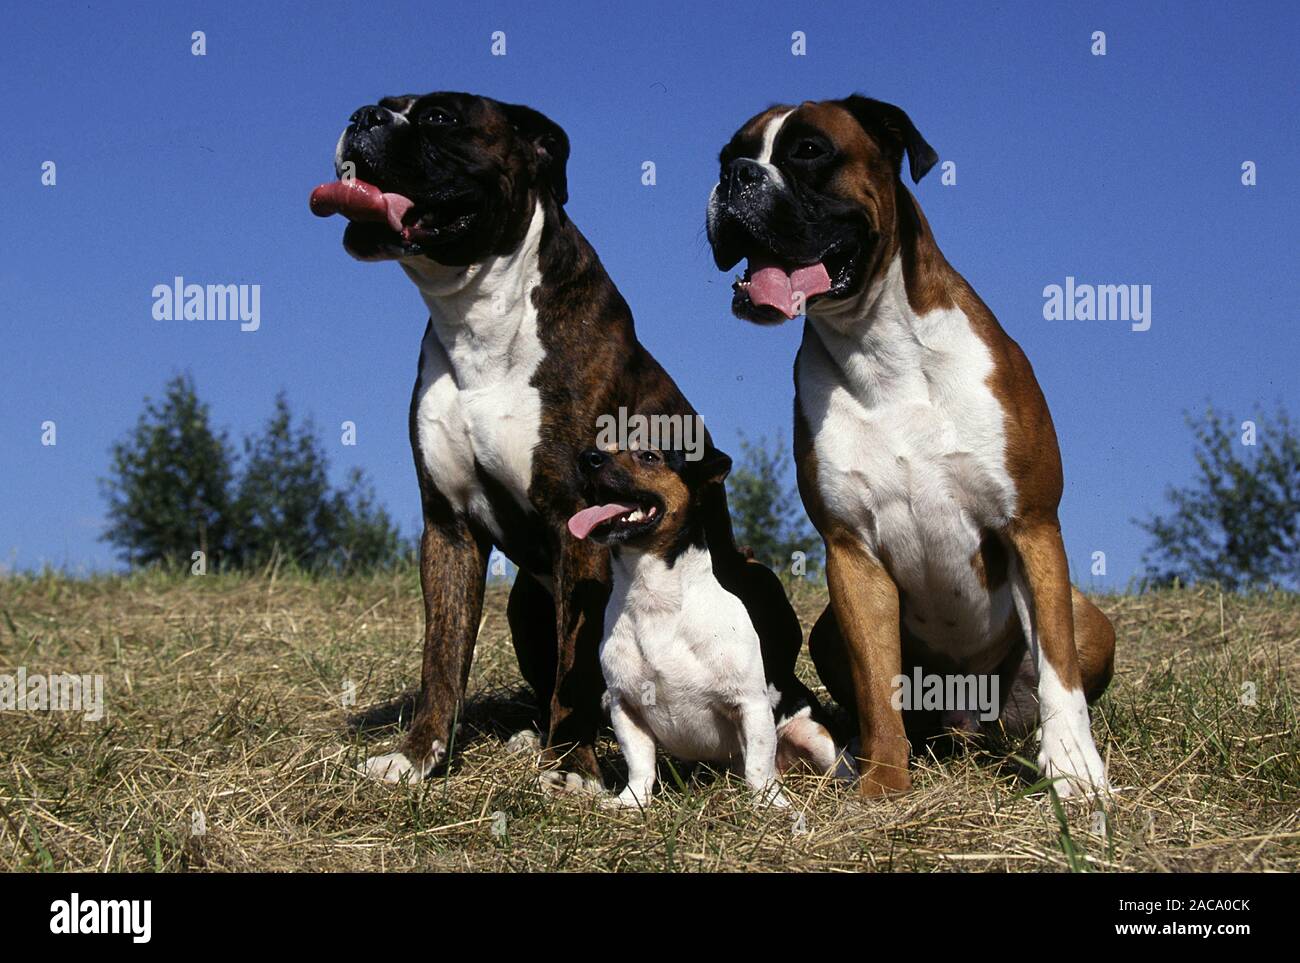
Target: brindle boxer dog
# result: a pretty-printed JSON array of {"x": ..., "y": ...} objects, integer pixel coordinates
[
  {"x": 926, "y": 455},
  {"x": 528, "y": 343}
]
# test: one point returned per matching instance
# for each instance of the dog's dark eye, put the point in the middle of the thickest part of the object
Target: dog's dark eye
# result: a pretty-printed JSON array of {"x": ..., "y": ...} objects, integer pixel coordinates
[
  {"x": 648, "y": 457},
  {"x": 437, "y": 117},
  {"x": 807, "y": 150}
]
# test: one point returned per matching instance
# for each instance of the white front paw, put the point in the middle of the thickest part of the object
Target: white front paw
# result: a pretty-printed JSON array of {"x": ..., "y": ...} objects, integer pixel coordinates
[
  {"x": 771, "y": 795},
  {"x": 631, "y": 798},
  {"x": 395, "y": 767},
  {"x": 1073, "y": 763}
]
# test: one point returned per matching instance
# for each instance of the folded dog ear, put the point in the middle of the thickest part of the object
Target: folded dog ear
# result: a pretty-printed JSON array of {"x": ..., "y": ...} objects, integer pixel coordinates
[
  {"x": 551, "y": 143},
  {"x": 712, "y": 469},
  {"x": 895, "y": 130}
]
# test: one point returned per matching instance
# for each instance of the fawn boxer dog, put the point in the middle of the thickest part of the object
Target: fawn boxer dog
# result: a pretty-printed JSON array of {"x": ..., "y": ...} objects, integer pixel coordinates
[
  {"x": 926, "y": 455},
  {"x": 528, "y": 343}
]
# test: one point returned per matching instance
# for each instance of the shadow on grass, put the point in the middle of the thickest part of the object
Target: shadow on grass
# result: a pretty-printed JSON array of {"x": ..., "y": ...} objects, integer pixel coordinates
[{"x": 497, "y": 713}]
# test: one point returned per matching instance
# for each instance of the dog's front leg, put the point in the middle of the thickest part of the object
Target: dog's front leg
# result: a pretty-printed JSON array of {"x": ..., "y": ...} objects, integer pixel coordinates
[
  {"x": 581, "y": 591},
  {"x": 1043, "y": 600},
  {"x": 758, "y": 743},
  {"x": 637, "y": 744},
  {"x": 453, "y": 569},
  {"x": 865, "y": 600}
]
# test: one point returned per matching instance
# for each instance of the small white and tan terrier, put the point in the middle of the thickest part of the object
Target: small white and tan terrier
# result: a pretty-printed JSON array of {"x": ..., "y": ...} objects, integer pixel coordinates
[{"x": 681, "y": 656}]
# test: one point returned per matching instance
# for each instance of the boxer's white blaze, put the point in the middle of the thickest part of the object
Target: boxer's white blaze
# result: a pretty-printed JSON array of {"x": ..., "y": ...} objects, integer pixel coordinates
[
  {"x": 770, "y": 133},
  {"x": 475, "y": 401}
]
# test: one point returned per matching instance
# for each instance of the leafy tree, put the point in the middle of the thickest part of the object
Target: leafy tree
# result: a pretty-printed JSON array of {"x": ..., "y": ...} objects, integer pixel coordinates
[
  {"x": 365, "y": 535},
  {"x": 766, "y": 510},
  {"x": 169, "y": 487},
  {"x": 172, "y": 490},
  {"x": 1238, "y": 522},
  {"x": 283, "y": 506},
  {"x": 286, "y": 507}
]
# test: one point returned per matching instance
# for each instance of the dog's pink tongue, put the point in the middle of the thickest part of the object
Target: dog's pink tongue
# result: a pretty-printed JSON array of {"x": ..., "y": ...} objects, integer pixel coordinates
[
  {"x": 774, "y": 286},
  {"x": 358, "y": 201},
  {"x": 581, "y": 524}
]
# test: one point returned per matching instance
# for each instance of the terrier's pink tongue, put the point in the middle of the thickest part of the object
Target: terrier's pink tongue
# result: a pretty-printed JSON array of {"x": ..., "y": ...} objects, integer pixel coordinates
[
  {"x": 774, "y": 286},
  {"x": 581, "y": 524}
]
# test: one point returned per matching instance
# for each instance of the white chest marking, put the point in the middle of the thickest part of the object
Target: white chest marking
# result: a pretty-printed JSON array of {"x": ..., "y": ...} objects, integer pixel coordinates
[
  {"x": 475, "y": 402},
  {"x": 683, "y": 653},
  {"x": 910, "y": 449}
]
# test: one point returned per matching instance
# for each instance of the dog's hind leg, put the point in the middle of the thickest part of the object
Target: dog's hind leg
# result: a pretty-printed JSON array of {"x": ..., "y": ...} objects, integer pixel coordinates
[
  {"x": 531, "y": 614},
  {"x": 1094, "y": 638},
  {"x": 831, "y": 659},
  {"x": 581, "y": 592},
  {"x": 803, "y": 742}
]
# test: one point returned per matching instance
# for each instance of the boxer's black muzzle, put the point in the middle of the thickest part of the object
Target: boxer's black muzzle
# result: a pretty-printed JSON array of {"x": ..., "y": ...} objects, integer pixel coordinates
[
  {"x": 754, "y": 214},
  {"x": 449, "y": 207}
]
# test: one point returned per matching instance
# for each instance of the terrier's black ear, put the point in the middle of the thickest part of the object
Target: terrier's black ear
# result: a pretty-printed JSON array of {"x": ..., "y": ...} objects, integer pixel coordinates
[
  {"x": 711, "y": 469},
  {"x": 551, "y": 143},
  {"x": 892, "y": 127}
]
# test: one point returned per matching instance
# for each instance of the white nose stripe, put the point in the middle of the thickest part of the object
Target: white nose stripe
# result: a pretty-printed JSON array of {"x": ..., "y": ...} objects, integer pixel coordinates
[
  {"x": 769, "y": 137},
  {"x": 770, "y": 133}
]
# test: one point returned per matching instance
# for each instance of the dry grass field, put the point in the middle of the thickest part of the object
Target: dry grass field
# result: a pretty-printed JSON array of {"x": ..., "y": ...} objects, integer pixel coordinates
[{"x": 225, "y": 696}]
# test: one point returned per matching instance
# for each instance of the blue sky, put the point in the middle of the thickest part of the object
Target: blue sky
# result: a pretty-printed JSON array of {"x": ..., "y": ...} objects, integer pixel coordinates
[{"x": 1117, "y": 169}]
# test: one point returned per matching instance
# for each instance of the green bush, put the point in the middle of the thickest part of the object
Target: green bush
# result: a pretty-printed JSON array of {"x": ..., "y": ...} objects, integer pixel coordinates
[{"x": 174, "y": 488}]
